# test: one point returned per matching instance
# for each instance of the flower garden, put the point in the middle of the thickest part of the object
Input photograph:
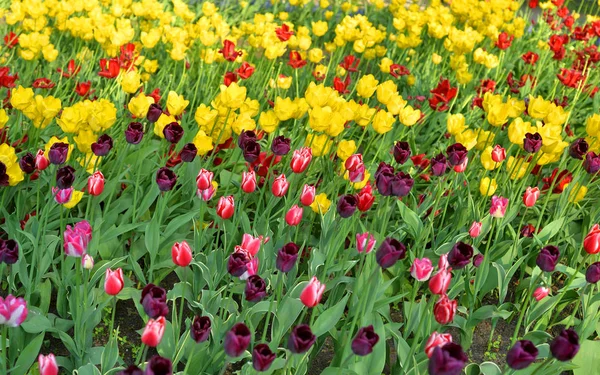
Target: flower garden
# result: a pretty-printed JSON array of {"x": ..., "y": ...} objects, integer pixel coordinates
[{"x": 299, "y": 187}]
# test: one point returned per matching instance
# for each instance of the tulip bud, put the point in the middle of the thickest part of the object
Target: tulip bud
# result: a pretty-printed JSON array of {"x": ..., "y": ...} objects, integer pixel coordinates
[
  {"x": 457, "y": 154},
  {"x": 280, "y": 145},
  {"x": 301, "y": 159},
  {"x": 181, "y": 254},
  {"x": 365, "y": 242},
  {"x": 521, "y": 355},
  {"x": 251, "y": 244},
  {"x": 444, "y": 310},
  {"x": 226, "y": 207},
  {"x": 475, "y": 229},
  {"x": 280, "y": 186},
  {"x": 102, "y": 146},
  {"x": 248, "y": 182},
  {"x": 301, "y": 339},
  {"x": 591, "y": 242},
  {"x": 58, "y": 153},
  {"x": 62, "y": 196},
  {"x": 592, "y": 274},
  {"x": 47, "y": 364},
  {"x": 165, "y": 179},
  {"x": 460, "y": 255},
  {"x": 113, "y": 282},
  {"x": 578, "y": 148},
  {"x": 462, "y": 166},
  {"x": 76, "y": 239},
  {"x": 312, "y": 293},
  {"x": 401, "y": 152},
  {"x": 256, "y": 289},
  {"x": 13, "y": 311},
  {"x": 154, "y": 301},
  {"x": 440, "y": 282},
  {"x": 286, "y": 257},
  {"x": 154, "y": 112},
  {"x": 200, "y": 329},
  {"x": 237, "y": 340},
  {"x": 498, "y": 207},
  {"x": 439, "y": 165},
  {"x": 158, "y": 365},
  {"x": 134, "y": 133},
  {"x": 565, "y": 346},
  {"x": 27, "y": 163},
  {"x": 591, "y": 164},
  {"x": 251, "y": 151},
  {"x": 421, "y": 269},
  {"x": 153, "y": 332},
  {"x": 477, "y": 260},
  {"x": 308, "y": 195},
  {"x": 188, "y": 152},
  {"x": 262, "y": 357},
  {"x": 447, "y": 359},
  {"x": 540, "y": 293},
  {"x": 532, "y": 142},
  {"x": 436, "y": 339},
  {"x": 443, "y": 262},
  {"x": 531, "y": 196},
  {"x": 364, "y": 341},
  {"x": 548, "y": 258},
  {"x": 9, "y": 251},
  {"x": 65, "y": 177},
  {"x": 389, "y": 252},
  {"x": 237, "y": 263},
  {"x": 96, "y": 184},
  {"x": 87, "y": 262},
  {"x": 204, "y": 179},
  {"x": 294, "y": 215},
  {"x": 498, "y": 154},
  {"x": 347, "y": 205},
  {"x": 41, "y": 162}
]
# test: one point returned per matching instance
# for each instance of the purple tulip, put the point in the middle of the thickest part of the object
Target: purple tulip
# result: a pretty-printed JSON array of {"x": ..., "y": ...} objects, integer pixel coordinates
[
  {"x": 238, "y": 263},
  {"x": 401, "y": 152},
  {"x": 401, "y": 184},
  {"x": 439, "y": 164},
  {"x": 286, "y": 257},
  {"x": 347, "y": 205},
  {"x": 4, "y": 180},
  {"x": 301, "y": 339},
  {"x": 154, "y": 112},
  {"x": 591, "y": 164},
  {"x": 200, "y": 330},
  {"x": 521, "y": 355},
  {"x": 27, "y": 163},
  {"x": 158, "y": 365},
  {"x": 262, "y": 357},
  {"x": 251, "y": 151},
  {"x": 58, "y": 153},
  {"x": 578, "y": 148},
  {"x": 245, "y": 137},
  {"x": 460, "y": 255},
  {"x": 532, "y": 142},
  {"x": 134, "y": 133},
  {"x": 237, "y": 340},
  {"x": 565, "y": 346},
  {"x": 364, "y": 341},
  {"x": 389, "y": 252},
  {"x": 65, "y": 177},
  {"x": 173, "y": 132},
  {"x": 154, "y": 301},
  {"x": 281, "y": 145},
  {"x": 166, "y": 179},
  {"x": 9, "y": 251},
  {"x": 457, "y": 154},
  {"x": 256, "y": 289},
  {"x": 103, "y": 145},
  {"x": 189, "y": 152},
  {"x": 592, "y": 274},
  {"x": 448, "y": 359},
  {"x": 548, "y": 258}
]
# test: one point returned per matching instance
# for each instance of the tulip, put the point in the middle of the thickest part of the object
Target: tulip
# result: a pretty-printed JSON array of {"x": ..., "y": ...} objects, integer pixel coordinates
[
  {"x": 300, "y": 159},
  {"x": 226, "y": 207},
  {"x": 158, "y": 365},
  {"x": 521, "y": 355},
  {"x": 237, "y": 340},
  {"x": 498, "y": 207},
  {"x": 204, "y": 179},
  {"x": 262, "y": 357},
  {"x": 301, "y": 339},
  {"x": 312, "y": 293},
  {"x": 181, "y": 254},
  {"x": 280, "y": 186},
  {"x": 286, "y": 257},
  {"x": 443, "y": 262},
  {"x": 65, "y": 177},
  {"x": 401, "y": 152},
  {"x": 548, "y": 258},
  {"x": 75, "y": 241},
  {"x": 238, "y": 263},
  {"x": 41, "y": 162},
  {"x": 591, "y": 242},
  {"x": 475, "y": 229},
  {"x": 591, "y": 164},
  {"x": 9, "y": 251},
  {"x": 200, "y": 329},
  {"x": 439, "y": 165},
  {"x": 531, "y": 196},
  {"x": 131, "y": 370},
  {"x": 347, "y": 205},
  {"x": 207, "y": 194},
  {"x": 188, "y": 152},
  {"x": 280, "y": 145},
  {"x": 166, "y": 179},
  {"x": 498, "y": 154},
  {"x": 294, "y": 215},
  {"x": 540, "y": 293},
  {"x": 173, "y": 132},
  {"x": 113, "y": 282},
  {"x": 13, "y": 311},
  {"x": 460, "y": 255},
  {"x": 448, "y": 359},
  {"x": 256, "y": 289},
  {"x": 565, "y": 346},
  {"x": 457, "y": 154},
  {"x": 421, "y": 269},
  {"x": 134, "y": 133},
  {"x": 578, "y": 148},
  {"x": 436, "y": 340},
  {"x": 251, "y": 244},
  {"x": 27, "y": 163},
  {"x": 248, "y": 182},
  {"x": 251, "y": 269},
  {"x": 308, "y": 195},
  {"x": 462, "y": 166},
  {"x": 527, "y": 230},
  {"x": 444, "y": 310},
  {"x": 154, "y": 301},
  {"x": 58, "y": 153},
  {"x": 364, "y": 341},
  {"x": 87, "y": 262},
  {"x": 153, "y": 332},
  {"x": 245, "y": 137},
  {"x": 365, "y": 198},
  {"x": 102, "y": 146},
  {"x": 532, "y": 142},
  {"x": 592, "y": 274},
  {"x": 389, "y": 252},
  {"x": 477, "y": 260},
  {"x": 440, "y": 282},
  {"x": 365, "y": 242},
  {"x": 96, "y": 184},
  {"x": 47, "y": 364},
  {"x": 154, "y": 112},
  {"x": 251, "y": 151}
]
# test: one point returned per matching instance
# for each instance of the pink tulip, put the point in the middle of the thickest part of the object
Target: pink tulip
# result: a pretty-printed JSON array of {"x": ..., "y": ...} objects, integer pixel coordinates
[
  {"x": 308, "y": 195},
  {"x": 96, "y": 183},
  {"x": 47, "y": 364},
  {"x": 498, "y": 208},
  {"x": 439, "y": 283},
  {"x": 251, "y": 269},
  {"x": 226, "y": 207},
  {"x": 206, "y": 194},
  {"x": 294, "y": 215},
  {"x": 475, "y": 229},
  {"x": 540, "y": 293},
  {"x": 365, "y": 242},
  {"x": 76, "y": 239},
  {"x": 41, "y": 161},
  {"x": 421, "y": 269},
  {"x": 356, "y": 168},
  {"x": 444, "y": 310},
  {"x": 312, "y": 293},
  {"x": 301, "y": 159},
  {"x": 248, "y": 182},
  {"x": 153, "y": 332},
  {"x": 443, "y": 262},
  {"x": 462, "y": 166},
  {"x": 280, "y": 186},
  {"x": 113, "y": 282},
  {"x": 181, "y": 254},
  {"x": 531, "y": 196},
  {"x": 498, "y": 154},
  {"x": 62, "y": 196},
  {"x": 13, "y": 311},
  {"x": 436, "y": 339},
  {"x": 251, "y": 244},
  {"x": 204, "y": 179}
]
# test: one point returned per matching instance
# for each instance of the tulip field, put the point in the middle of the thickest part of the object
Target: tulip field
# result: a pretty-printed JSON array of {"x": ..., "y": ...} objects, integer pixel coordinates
[{"x": 335, "y": 187}]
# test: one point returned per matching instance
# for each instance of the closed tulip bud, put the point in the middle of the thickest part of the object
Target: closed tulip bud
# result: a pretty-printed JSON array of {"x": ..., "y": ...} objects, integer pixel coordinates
[
  {"x": 475, "y": 229},
  {"x": 262, "y": 357},
  {"x": 27, "y": 163},
  {"x": 444, "y": 310},
  {"x": 527, "y": 231},
  {"x": 280, "y": 145},
  {"x": 248, "y": 182},
  {"x": 448, "y": 359},
  {"x": 158, "y": 365},
  {"x": 578, "y": 148},
  {"x": 153, "y": 332},
  {"x": 245, "y": 137},
  {"x": 280, "y": 186},
  {"x": 286, "y": 257},
  {"x": 460, "y": 255},
  {"x": 65, "y": 177},
  {"x": 9, "y": 251},
  {"x": 131, "y": 370},
  {"x": 436, "y": 339},
  {"x": 498, "y": 154},
  {"x": 113, "y": 282},
  {"x": 301, "y": 159},
  {"x": 165, "y": 179},
  {"x": 401, "y": 152},
  {"x": 365, "y": 198},
  {"x": 237, "y": 263},
  {"x": 312, "y": 293},
  {"x": 592, "y": 274},
  {"x": 591, "y": 164},
  {"x": 251, "y": 151},
  {"x": 532, "y": 142},
  {"x": 498, "y": 207},
  {"x": 565, "y": 346},
  {"x": 181, "y": 254},
  {"x": 188, "y": 152},
  {"x": 41, "y": 162},
  {"x": 154, "y": 112},
  {"x": 13, "y": 311},
  {"x": 96, "y": 183},
  {"x": 256, "y": 289},
  {"x": 134, "y": 133},
  {"x": 58, "y": 153},
  {"x": 389, "y": 252},
  {"x": 591, "y": 242},
  {"x": 457, "y": 154},
  {"x": 365, "y": 242},
  {"x": 47, "y": 364},
  {"x": 251, "y": 244},
  {"x": 364, "y": 341},
  {"x": 477, "y": 260},
  {"x": 521, "y": 355},
  {"x": 87, "y": 262},
  {"x": 200, "y": 329},
  {"x": 154, "y": 301},
  {"x": 294, "y": 215},
  {"x": 347, "y": 205},
  {"x": 308, "y": 195},
  {"x": 540, "y": 293},
  {"x": 103, "y": 145},
  {"x": 421, "y": 269},
  {"x": 531, "y": 196},
  {"x": 226, "y": 207},
  {"x": 204, "y": 179},
  {"x": 440, "y": 282},
  {"x": 354, "y": 162},
  {"x": 62, "y": 196},
  {"x": 301, "y": 339},
  {"x": 237, "y": 340},
  {"x": 438, "y": 165},
  {"x": 548, "y": 258}
]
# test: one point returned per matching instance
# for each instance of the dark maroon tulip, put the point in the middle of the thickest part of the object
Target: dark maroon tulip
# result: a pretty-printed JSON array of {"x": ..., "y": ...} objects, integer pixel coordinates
[
  {"x": 401, "y": 152},
  {"x": 9, "y": 251},
  {"x": 173, "y": 132},
  {"x": 134, "y": 133},
  {"x": 389, "y": 252},
  {"x": 256, "y": 289},
  {"x": 27, "y": 163},
  {"x": 188, "y": 153},
  {"x": 103, "y": 145},
  {"x": 532, "y": 142},
  {"x": 578, "y": 148},
  {"x": 592, "y": 274},
  {"x": 262, "y": 357},
  {"x": 251, "y": 151},
  {"x": 457, "y": 154},
  {"x": 238, "y": 263},
  {"x": 521, "y": 355},
  {"x": 65, "y": 177},
  {"x": 246, "y": 136},
  {"x": 383, "y": 181},
  {"x": 477, "y": 260},
  {"x": 439, "y": 164},
  {"x": 548, "y": 258},
  {"x": 364, "y": 341},
  {"x": 591, "y": 164},
  {"x": 154, "y": 301},
  {"x": 158, "y": 365},
  {"x": 301, "y": 339},
  {"x": 527, "y": 231},
  {"x": 58, "y": 153},
  {"x": 237, "y": 340},
  {"x": 281, "y": 145},
  {"x": 287, "y": 256},
  {"x": 460, "y": 255},
  {"x": 200, "y": 330},
  {"x": 347, "y": 205},
  {"x": 565, "y": 346},
  {"x": 131, "y": 370},
  {"x": 166, "y": 179},
  {"x": 154, "y": 112},
  {"x": 401, "y": 184},
  {"x": 448, "y": 359},
  {"x": 3, "y": 175},
  {"x": 384, "y": 168}
]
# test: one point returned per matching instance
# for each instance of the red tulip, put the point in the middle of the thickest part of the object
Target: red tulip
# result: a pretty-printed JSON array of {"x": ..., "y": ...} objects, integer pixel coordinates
[
  {"x": 312, "y": 293},
  {"x": 248, "y": 182},
  {"x": 245, "y": 71},
  {"x": 83, "y": 88},
  {"x": 153, "y": 332},
  {"x": 540, "y": 293},
  {"x": 460, "y": 168},
  {"x": 47, "y": 364},
  {"x": 181, "y": 253},
  {"x": 229, "y": 78},
  {"x": 301, "y": 159},
  {"x": 73, "y": 69},
  {"x": 113, "y": 283},
  {"x": 295, "y": 60},
  {"x": 96, "y": 184},
  {"x": 308, "y": 195},
  {"x": 280, "y": 186},
  {"x": 435, "y": 340},
  {"x": 204, "y": 179},
  {"x": 444, "y": 310},
  {"x": 294, "y": 215},
  {"x": 531, "y": 196},
  {"x": 41, "y": 161},
  {"x": 226, "y": 207},
  {"x": 109, "y": 68},
  {"x": 443, "y": 262},
  {"x": 365, "y": 198},
  {"x": 591, "y": 243},
  {"x": 228, "y": 51},
  {"x": 475, "y": 229},
  {"x": 11, "y": 40},
  {"x": 439, "y": 283},
  {"x": 284, "y": 33}
]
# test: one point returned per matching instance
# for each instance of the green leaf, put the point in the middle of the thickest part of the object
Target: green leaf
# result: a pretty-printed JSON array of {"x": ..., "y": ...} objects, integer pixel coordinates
[
  {"x": 328, "y": 318},
  {"x": 36, "y": 323},
  {"x": 490, "y": 368},
  {"x": 110, "y": 354},
  {"x": 411, "y": 219},
  {"x": 286, "y": 315},
  {"x": 550, "y": 230},
  {"x": 588, "y": 358},
  {"x": 28, "y": 355}
]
